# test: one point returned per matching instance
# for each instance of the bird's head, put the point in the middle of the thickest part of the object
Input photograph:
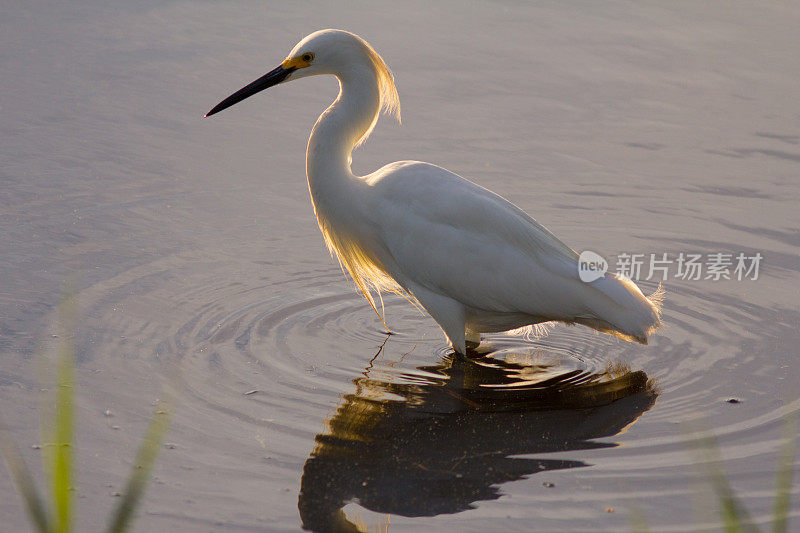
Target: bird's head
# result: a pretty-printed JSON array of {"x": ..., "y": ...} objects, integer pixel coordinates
[{"x": 334, "y": 52}]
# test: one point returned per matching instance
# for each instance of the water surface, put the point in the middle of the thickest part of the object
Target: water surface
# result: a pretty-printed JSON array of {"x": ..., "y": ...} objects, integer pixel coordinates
[{"x": 623, "y": 128}]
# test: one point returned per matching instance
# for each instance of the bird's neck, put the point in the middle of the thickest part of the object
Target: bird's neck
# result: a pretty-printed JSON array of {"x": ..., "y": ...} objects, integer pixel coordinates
[{"x": 340, "y": 128}]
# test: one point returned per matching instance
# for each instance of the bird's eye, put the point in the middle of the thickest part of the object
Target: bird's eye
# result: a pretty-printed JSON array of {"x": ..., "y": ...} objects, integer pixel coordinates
[{"x": 308, "y": 57}]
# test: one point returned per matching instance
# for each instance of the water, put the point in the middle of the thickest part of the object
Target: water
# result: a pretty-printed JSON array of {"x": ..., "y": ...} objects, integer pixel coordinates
[{"x": 623, "y": 128}]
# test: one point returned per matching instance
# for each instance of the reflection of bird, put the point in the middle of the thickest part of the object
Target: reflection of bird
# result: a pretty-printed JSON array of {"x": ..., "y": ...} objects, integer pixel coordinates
[
  {"x": 474, "y": 261},
  {"x": 445, "y": 438}
]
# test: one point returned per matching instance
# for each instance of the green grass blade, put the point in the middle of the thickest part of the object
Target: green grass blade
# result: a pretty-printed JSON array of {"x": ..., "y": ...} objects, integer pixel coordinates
[
  {"x": 638, "y": 520},
  {"x": 140, "y": 474},
  {"x": 735, "y": 516},
  {"x": 783, "y": 478},
  {"x": 23, "y": 480},
  {"x": 61, "y": 472}
]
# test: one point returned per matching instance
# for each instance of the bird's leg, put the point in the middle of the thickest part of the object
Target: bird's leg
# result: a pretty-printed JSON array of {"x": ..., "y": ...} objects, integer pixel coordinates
[{"x": 448, "y": 313}]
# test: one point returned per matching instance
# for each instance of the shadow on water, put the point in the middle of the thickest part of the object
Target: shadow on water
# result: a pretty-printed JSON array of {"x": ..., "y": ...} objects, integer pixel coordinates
[{"x": 444, "y": 437}]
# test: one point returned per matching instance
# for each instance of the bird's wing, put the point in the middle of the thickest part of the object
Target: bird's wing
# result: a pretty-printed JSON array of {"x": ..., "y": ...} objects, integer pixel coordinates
[{"x": 460, "y": 240}]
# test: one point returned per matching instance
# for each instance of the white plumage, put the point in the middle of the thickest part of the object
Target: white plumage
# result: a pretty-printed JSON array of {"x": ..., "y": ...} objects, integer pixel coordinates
[{"x": 473, "y": 260}]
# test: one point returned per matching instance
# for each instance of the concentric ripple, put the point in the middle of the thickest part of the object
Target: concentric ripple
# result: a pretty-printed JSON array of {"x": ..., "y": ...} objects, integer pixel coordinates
[{"x": 399, "y": 422}]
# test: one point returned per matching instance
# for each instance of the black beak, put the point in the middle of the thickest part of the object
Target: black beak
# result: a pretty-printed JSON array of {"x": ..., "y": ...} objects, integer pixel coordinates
[{"x": 273, "y": 77}]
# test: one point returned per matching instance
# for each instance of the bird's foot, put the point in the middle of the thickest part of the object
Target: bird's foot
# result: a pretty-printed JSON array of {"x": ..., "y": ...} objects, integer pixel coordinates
[
  {"x": 473, "y": 339},
  {"x": 472, "y": 345}
]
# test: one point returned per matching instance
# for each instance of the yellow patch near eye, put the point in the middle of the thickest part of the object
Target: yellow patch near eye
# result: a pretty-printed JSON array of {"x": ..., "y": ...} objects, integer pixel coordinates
[{"x": 297, "y": 62}]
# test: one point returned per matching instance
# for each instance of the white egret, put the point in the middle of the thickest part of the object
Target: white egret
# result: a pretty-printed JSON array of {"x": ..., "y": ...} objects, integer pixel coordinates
[{"x": 473, "y": 260}]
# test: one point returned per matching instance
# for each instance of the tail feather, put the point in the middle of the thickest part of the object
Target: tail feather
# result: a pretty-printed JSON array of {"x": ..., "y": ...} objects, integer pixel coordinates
[{"x": 621, "y": 309}]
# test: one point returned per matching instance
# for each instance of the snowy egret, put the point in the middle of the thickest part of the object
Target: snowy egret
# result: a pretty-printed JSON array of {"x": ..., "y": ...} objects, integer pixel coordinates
[{"x": 473, "y": 260}]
